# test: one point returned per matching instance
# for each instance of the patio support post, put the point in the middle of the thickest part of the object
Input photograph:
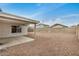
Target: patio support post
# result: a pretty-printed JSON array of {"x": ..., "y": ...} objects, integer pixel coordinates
[
  {"x": 34, "y": 30},
  {"x": 76, "y": 30}
]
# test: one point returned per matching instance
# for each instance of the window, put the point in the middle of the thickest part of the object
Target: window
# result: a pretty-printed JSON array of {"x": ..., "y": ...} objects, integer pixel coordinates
[{"x": 16, "y": 29}]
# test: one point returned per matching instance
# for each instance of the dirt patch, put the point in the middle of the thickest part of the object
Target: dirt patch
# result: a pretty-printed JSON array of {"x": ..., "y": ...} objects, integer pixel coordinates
[{"x": 47, "y": 44}]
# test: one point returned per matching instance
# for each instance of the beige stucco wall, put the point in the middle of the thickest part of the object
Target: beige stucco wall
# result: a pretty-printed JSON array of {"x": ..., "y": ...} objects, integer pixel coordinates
[{"x": 5, "y": 30}]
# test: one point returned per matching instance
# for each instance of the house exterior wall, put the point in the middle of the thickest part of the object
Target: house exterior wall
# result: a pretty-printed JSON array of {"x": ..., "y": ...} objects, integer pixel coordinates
[{"x": 5, "y": 30}]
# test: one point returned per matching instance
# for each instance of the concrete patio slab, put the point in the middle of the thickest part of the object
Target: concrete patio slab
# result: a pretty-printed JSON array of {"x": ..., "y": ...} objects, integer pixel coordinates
[{"x": 15, "y": 41}]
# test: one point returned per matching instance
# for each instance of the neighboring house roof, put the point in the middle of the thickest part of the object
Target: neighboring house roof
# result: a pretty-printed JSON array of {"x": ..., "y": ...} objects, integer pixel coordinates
[
  {"x": 74, "y": 26},
  {"x": 57, "y": 25},
  {"x": 42, "y": 26},
  {"x": 11, "y": 16}
]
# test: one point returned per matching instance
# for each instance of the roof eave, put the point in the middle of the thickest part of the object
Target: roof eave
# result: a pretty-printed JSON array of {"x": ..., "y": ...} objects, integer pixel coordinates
[{"x": 25, "y": 19}]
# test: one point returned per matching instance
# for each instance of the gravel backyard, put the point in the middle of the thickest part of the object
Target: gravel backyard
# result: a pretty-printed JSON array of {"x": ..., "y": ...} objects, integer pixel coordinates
[{"x": 46, "y": 44}]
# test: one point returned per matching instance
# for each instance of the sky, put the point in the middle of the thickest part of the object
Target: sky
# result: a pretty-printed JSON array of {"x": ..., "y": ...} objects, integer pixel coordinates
[{"x": 47, "y": 13}]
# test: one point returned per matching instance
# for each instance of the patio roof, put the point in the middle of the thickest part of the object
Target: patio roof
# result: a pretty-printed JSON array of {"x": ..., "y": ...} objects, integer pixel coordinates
[{"x": 15, "y": 17}]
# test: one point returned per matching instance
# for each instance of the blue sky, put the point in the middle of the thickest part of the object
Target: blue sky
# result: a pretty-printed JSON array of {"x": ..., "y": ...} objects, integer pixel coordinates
[{"x": 48, "y": 13}]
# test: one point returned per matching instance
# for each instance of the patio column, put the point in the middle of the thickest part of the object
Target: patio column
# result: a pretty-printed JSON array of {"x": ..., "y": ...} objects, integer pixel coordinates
[
  {"x": 34, "y": 30},
  {"x": 76, "y": 30}
]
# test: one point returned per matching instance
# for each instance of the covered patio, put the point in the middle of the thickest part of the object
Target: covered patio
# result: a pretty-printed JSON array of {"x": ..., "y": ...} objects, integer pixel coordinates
[
  {"x": 13, "y": 30},
  {"x": 15, "y": 41}
]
